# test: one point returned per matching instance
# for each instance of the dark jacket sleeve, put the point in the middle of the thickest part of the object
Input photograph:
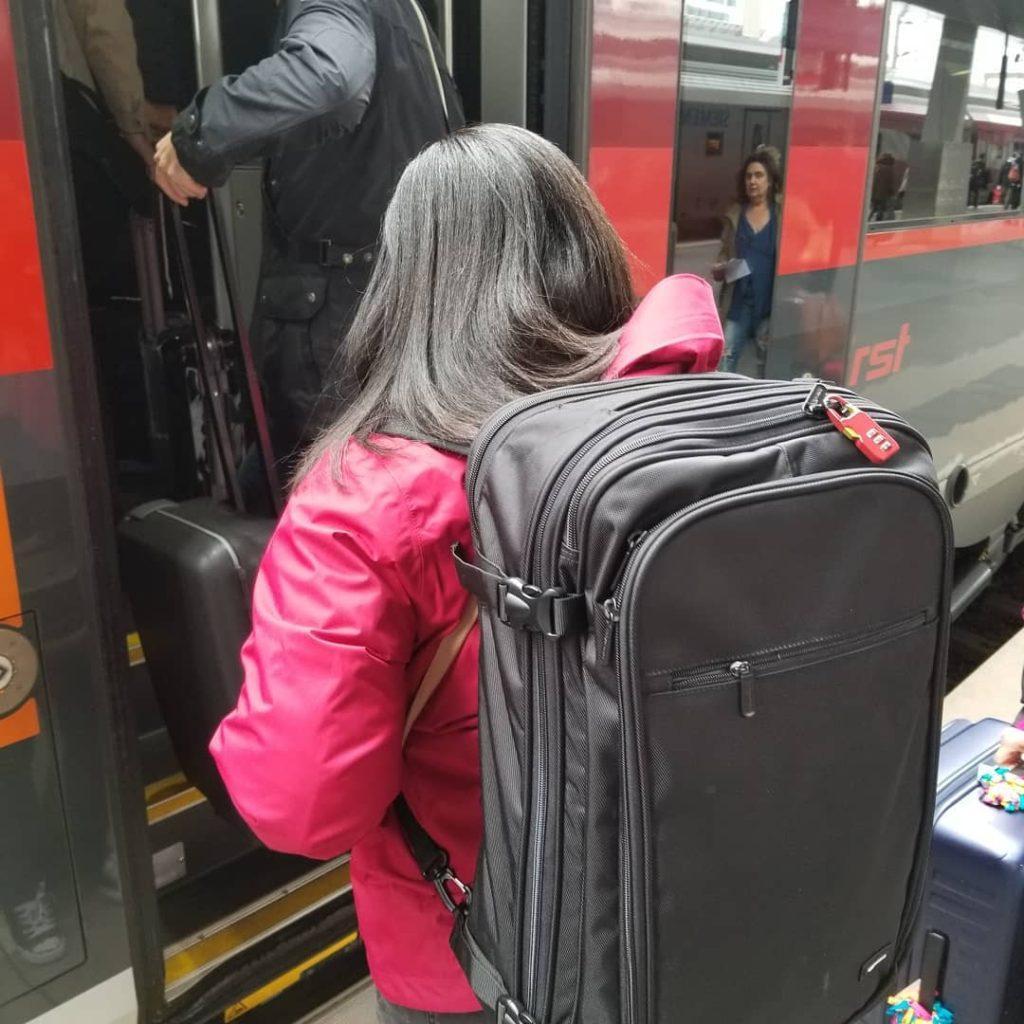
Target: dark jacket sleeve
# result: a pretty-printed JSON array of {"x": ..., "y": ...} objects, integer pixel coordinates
[{"x": 326, "y": 63}]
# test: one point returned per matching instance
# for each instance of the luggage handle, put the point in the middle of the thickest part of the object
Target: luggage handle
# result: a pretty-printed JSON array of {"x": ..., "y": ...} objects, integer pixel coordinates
[
  {"x": 215, "y": 409},
  {"x": 252, "y": 382},
  {"x": 211, "y": 388}
]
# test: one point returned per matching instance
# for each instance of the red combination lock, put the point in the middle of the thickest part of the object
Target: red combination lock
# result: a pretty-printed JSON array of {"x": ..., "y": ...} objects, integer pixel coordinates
[{"x": 871, "y": 439}]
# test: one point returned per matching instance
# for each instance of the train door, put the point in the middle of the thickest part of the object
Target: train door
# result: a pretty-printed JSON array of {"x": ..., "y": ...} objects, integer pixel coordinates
[
  {"x": 735, "y": 100},
  {"x": 145, "y": 903},
  {"x": 62, "y": 925}
]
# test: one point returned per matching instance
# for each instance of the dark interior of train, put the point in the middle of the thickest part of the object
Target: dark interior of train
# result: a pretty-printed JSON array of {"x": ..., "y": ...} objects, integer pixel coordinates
[{"x": 219, "y": 892}]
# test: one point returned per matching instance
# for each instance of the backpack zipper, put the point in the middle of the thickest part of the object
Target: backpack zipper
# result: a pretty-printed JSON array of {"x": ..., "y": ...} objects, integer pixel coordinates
[
  {"x": 644, "y": 440},
  {"x": 745, "y": 671},
  {"x": 610, "y": 607}
]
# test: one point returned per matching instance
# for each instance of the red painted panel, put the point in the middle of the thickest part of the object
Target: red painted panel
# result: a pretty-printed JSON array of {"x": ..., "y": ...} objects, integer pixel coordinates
[
  {"x": 10, "y": 115},
  {"x": 887, "y": 245},
  {"x": 837, "y": 61},
  {"x": 24, "y": 333},
  {"x": 634, "y": 88}
]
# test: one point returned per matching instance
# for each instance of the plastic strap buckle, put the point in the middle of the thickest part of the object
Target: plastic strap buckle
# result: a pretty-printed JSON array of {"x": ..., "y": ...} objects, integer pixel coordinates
[
  {"x": 524, "y": 606},
  {"x": 510, "y": 1012}
]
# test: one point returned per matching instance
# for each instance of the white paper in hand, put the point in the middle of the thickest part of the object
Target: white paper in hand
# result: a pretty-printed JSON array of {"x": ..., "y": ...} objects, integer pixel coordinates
[{"x": 735, "y": 269}]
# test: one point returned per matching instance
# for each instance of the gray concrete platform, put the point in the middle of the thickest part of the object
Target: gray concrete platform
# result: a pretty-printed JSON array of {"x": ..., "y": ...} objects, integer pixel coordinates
[{"x": 993, "y": 690}]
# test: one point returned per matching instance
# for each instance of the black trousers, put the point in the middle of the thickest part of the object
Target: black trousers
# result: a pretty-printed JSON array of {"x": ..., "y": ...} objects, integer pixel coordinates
[
  {"x": 299, "y": 333},
  {"x": 23, "y": 840}
]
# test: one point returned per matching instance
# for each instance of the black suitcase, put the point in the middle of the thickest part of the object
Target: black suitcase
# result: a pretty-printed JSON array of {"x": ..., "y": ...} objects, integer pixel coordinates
[
  {"x": 713, "y": 643},
  {"x": 189, "y": 568}
]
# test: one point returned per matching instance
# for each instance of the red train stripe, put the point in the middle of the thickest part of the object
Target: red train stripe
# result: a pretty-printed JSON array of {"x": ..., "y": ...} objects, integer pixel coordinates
[
  {"x": 887, "y": 245},
  {"x": 24, "y": 332},
  {"x": 830, "y": 133}
]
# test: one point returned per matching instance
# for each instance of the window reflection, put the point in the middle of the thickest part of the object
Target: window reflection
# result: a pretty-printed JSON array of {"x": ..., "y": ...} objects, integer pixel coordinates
[
  {"x": 736, "y": 95},
  {"x": 950, "y": 132}
]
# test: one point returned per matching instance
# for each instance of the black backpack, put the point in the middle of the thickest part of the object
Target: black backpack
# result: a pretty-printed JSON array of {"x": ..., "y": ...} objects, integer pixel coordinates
[{"x": 714, "y": 624}]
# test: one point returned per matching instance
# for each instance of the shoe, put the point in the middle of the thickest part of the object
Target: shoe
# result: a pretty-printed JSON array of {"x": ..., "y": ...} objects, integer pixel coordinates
[{"x": 37, "y": 936}]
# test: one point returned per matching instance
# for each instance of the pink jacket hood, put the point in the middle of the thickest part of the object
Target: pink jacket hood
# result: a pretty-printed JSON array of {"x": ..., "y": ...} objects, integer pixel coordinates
[
  {"x": 675, "y": 329},
  {"x": 356, "y": 590}
]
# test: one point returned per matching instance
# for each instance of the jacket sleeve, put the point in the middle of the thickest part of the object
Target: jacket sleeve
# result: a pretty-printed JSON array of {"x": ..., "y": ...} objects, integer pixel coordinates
[
  {"x": 326, "y": 63},
  {"x": 312, "y": 754},
  {"x": 105, "y": 32}
]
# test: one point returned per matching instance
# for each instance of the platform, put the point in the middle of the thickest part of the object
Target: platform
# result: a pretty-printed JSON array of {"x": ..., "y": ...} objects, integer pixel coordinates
[{"x": 993, "y": 690}]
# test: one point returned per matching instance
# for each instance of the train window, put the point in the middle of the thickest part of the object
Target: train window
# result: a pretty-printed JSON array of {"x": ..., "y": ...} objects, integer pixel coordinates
[
  {"x": 949, "y": 132},
  {"x": 736, "y": 93}
]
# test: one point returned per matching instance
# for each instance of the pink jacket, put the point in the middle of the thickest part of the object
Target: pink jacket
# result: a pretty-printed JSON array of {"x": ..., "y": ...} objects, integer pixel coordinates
[{"x": 355, "y": 591}]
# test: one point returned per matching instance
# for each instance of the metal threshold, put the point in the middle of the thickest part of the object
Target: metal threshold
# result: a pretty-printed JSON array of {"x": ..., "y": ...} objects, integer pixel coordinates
[{"x": 188, "y": 961}]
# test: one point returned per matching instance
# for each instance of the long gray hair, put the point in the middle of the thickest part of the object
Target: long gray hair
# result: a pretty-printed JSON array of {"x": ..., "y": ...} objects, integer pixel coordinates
[{"x": 499, "y": 276}]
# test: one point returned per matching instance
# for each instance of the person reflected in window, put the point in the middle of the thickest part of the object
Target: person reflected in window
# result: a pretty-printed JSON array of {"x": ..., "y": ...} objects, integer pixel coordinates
[
  {"x": 978, "y": 185},
  {"x": 1011, "y": 181},
  {"x": 884, "y": 186},
  {"x": 746, "y": 259}
]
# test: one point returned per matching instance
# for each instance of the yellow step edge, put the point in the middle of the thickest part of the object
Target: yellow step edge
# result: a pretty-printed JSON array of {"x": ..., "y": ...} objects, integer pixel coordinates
[
  {"x": 136, "y": 655},
  {"x": 174, "y": 805},
  {"x": 285, "y": 981},
  {"x": 221, "y": 943},
  {"x": 166, "y": 787}
]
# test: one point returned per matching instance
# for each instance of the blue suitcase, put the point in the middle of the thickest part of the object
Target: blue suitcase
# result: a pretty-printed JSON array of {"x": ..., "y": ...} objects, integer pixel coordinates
[
  {"x": 975, "y": 893},
  {"x": 976, "y": 888}
]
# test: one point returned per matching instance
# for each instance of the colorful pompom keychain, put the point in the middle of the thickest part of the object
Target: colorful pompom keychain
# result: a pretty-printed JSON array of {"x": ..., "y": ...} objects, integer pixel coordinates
[
  {"x": 907, "y": 1011},
  {"x": 1002, "y": 788}
]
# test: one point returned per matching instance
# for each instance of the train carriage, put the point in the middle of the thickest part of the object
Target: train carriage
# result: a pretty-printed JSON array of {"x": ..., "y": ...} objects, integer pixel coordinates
[{"x": 159, "y": 908}]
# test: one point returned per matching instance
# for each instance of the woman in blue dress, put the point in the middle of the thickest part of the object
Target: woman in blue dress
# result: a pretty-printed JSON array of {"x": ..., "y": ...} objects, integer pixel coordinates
[{"x": 750, "y": 233}]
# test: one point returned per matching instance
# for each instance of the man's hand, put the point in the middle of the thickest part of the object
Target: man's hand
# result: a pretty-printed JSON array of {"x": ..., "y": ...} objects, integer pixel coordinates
[
  {"x": 176, "y": 183},
  {"x": 1011, "y": 750}
]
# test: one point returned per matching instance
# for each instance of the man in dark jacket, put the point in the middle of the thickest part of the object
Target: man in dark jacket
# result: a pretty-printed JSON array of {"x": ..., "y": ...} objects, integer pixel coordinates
[{"x": 351, "y": 94}]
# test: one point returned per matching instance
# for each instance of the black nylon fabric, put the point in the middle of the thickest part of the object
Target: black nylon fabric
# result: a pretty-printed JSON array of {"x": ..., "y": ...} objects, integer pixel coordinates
[{"x": 599, "y": 894}]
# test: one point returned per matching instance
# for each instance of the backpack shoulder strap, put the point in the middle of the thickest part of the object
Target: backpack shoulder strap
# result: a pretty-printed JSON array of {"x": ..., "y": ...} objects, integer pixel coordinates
[{"x": 448, "y": 650}]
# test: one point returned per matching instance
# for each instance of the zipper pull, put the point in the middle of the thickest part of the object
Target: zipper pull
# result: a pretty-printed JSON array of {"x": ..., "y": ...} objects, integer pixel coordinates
[
  {"x": 814, "y": 403},
  {"x": 610, "y": 609},
  {"x": 872, "y": 440},
  {"x": 744, "y": 675},
  {"x": 609, "y": 627}
]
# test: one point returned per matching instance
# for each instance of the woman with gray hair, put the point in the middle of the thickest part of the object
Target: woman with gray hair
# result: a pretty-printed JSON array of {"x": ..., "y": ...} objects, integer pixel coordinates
[{"x": 499, "y": 276}]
